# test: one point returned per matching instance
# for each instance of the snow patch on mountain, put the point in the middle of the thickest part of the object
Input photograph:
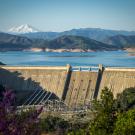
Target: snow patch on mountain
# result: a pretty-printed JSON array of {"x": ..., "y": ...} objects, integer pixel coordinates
[{"x": 23, "y": 29}]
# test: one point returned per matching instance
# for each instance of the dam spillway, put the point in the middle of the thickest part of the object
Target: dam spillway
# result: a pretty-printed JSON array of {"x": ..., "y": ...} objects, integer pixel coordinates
[
  {"x": 81, "y": 87},
  {"x": 73, "y": 86}
]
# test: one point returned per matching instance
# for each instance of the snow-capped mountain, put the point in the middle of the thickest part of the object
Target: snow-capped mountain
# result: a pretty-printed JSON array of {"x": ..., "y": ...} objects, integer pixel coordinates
[{"x": 23, "y": 29}]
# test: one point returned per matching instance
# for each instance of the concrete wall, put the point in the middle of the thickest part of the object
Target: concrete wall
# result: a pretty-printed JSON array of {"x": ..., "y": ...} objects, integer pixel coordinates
[
  {"x": 75, "y": 87},
  {"x": 81, "y": 87},
  {"x": 117, "y": 79},
  {"x": 32, "y": 78}
]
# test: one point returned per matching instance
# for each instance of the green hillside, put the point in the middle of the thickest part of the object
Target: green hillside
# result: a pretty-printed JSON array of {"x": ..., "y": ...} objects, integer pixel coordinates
[
  {"x": 10, "y": 42},
  {"x": 78, "y": 42}
]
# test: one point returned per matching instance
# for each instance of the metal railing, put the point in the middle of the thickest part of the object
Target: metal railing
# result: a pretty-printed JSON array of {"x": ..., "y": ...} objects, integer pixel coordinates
[{"x": 85, "y": 68}]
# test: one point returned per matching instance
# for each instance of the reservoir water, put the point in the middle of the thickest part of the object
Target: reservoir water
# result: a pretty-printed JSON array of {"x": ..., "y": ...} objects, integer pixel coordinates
[{"x": 107, "y": 58}]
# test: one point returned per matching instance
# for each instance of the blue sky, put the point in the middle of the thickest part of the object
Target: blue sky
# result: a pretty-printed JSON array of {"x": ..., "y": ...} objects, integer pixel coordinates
[{"x": 60, "y": 15}]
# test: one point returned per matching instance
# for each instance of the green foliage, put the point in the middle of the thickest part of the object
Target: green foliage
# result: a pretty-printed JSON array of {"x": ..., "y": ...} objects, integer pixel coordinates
[
  {"x": 111, "y": 116},
  {"x": 105, "y": 104},
  {"x": 125, "y": 100},
  {"x": 104, "y": 114},
  {"x": 51, "y": 123},
  {"x": 78, "y": 128},
  {"x": 78, "y": 132},
  {"x": 125, "y": 124}
]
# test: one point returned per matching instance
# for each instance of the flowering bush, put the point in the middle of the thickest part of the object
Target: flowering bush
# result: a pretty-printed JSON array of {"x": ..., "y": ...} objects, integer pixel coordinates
[{"x": 13, "y": 122}]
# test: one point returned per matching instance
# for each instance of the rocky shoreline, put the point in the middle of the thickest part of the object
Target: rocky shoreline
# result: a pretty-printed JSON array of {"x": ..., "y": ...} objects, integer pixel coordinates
[
  {"x": 57, "y": 50},
  {"x": 33, "y": 49},
  {"x": 131, "y": 51}
]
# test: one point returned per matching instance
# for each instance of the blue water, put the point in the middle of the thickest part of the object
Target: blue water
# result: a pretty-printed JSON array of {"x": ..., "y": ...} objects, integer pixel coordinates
[{"x": 111, "y": 58}]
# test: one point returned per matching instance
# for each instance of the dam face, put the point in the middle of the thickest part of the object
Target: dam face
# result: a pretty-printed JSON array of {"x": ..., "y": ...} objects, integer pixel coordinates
[
  {"x": 24, "y": 79},
  {"x": 81, "y": 87},
  {"x": 117, "y": 79},
  {"x": 74, "y": 87}
]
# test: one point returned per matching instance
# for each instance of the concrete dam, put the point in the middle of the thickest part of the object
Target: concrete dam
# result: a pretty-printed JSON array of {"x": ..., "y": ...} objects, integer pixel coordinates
[{"x": 73, "y": 85}]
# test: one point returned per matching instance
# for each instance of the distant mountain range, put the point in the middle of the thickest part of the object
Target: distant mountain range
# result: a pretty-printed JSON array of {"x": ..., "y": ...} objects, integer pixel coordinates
[
  {"x": 13, "y": 42},
  {"x": 93, "y": 33},
  {"x": 27, "y": 37},
  {"x": 97, "y": 33}
]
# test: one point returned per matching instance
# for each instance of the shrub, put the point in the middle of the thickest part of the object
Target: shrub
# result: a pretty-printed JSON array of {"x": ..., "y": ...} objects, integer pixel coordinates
[
  {"x": 51, "y": 124},
  {"x": 125, "y": 124},
  {"x": 126, "y": 100},
  {"x": 14, "y": 122}
]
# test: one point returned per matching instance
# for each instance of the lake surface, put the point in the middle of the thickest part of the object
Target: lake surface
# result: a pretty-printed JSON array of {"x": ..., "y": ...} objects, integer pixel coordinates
[{"x": 107, "y": 58}]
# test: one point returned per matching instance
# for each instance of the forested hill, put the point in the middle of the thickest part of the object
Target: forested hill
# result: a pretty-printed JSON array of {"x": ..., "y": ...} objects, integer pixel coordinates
[
  {"x": 10, "y": 42},
  {"x": 121, "y": 41},
  {"x": 2, "y": 63},
  {"x": 78, "y": 42}
]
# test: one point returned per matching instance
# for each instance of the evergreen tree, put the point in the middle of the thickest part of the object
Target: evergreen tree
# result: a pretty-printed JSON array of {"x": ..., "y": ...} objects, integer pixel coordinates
[
  {"x": 125, "y": 124},
  {"x": 104, "y": 113}
]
